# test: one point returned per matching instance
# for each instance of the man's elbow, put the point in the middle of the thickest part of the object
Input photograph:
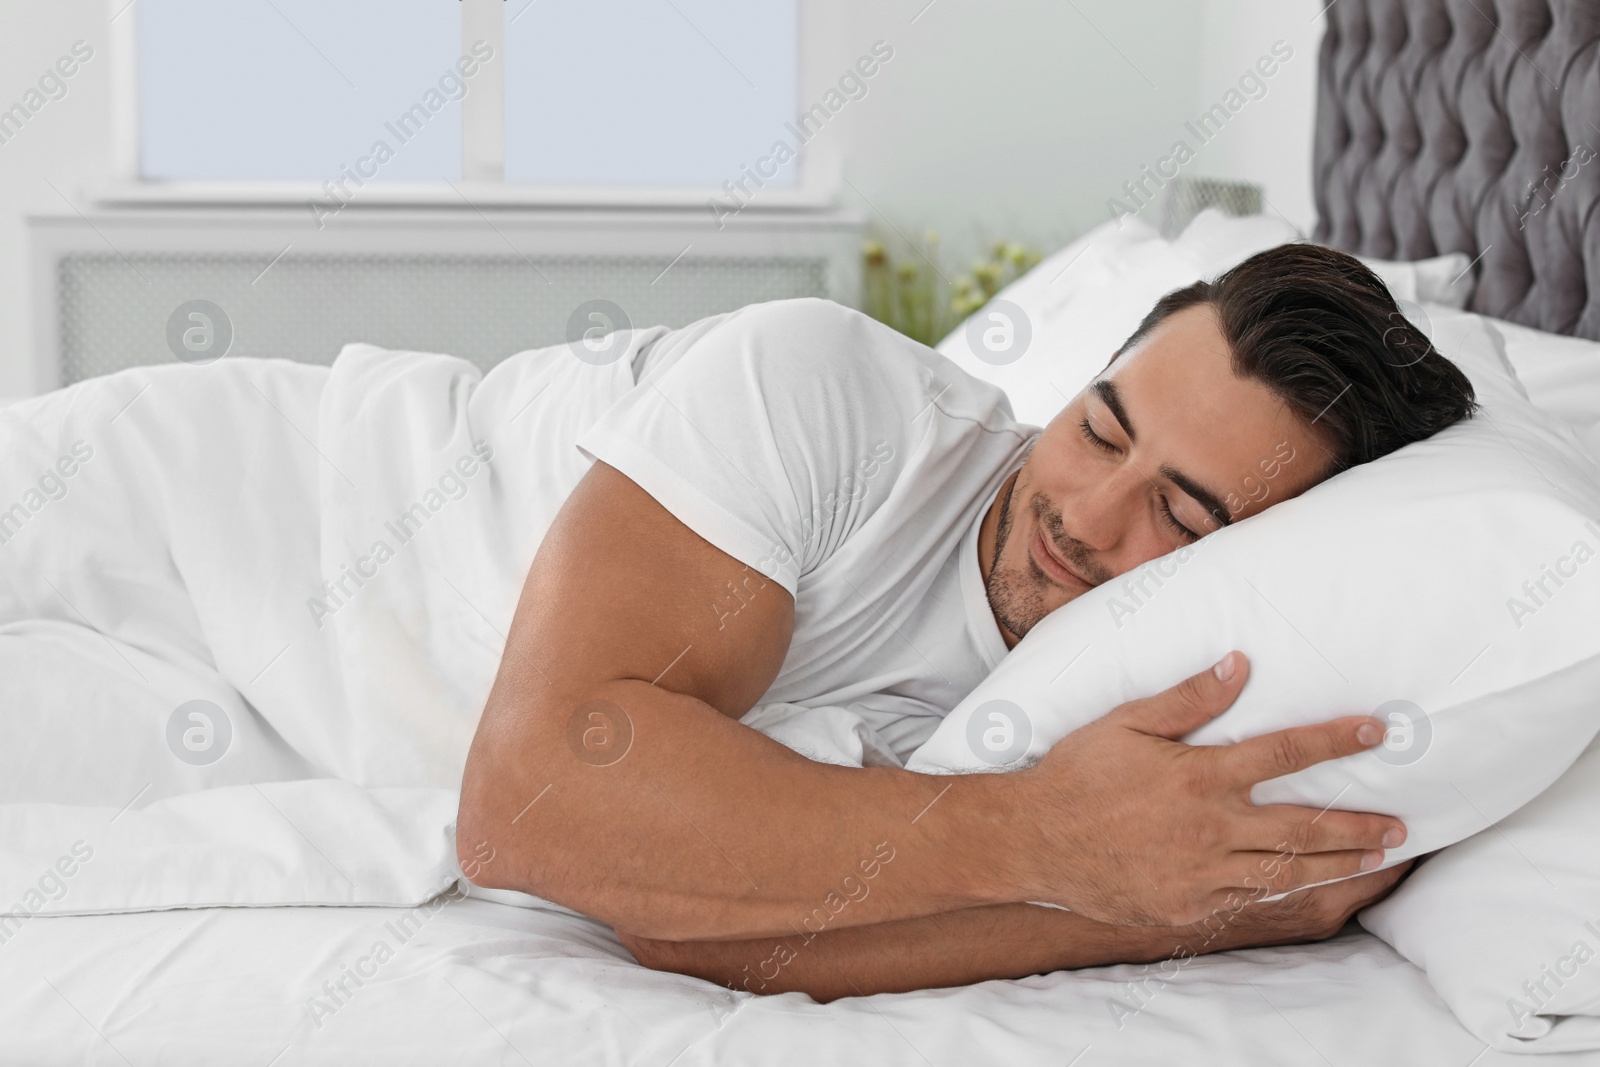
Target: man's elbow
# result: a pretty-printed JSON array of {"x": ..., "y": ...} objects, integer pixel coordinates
[
  {"x": 476, "y": 851},
  {"x": 497, "y": 849},
  {"x": 488, "y": 847},
  {"x": 503, "y": 841},
  {"x": 475, "y": 859}
]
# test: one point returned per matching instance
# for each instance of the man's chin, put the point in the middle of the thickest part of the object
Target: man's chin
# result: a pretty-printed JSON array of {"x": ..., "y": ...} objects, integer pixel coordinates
[{"x": 1020, "y": 604}]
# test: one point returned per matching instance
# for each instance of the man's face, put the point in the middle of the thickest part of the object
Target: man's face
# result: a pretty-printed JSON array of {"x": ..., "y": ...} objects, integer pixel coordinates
[{"x": 1166, "y": 446}]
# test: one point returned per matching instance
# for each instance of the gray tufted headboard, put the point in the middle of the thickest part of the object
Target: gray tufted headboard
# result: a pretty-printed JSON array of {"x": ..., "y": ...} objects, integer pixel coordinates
[{"x": 1468, "y": 126}]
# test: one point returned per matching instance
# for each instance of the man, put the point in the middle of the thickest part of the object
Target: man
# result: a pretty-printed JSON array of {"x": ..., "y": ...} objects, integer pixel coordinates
[{"x": 792, "y": 507}]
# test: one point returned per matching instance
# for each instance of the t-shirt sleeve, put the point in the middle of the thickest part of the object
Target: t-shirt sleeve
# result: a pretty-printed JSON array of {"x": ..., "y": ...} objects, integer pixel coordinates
[{"x": 776, "y": 433}]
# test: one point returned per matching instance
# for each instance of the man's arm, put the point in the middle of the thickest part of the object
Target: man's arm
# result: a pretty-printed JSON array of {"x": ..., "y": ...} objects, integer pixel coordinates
[
  {"x": 609, "y": 773},
  {"x": 1000, "y": 941}
]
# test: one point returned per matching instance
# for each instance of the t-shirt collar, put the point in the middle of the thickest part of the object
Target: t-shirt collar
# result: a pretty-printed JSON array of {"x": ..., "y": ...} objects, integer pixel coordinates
[{"x": 980, "y": 617}]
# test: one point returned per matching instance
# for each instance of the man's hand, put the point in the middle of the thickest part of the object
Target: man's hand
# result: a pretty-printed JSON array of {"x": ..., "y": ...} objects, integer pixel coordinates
[
  {"x": 1313, "y": 914},
  {"x": 1144, "y": 829}
]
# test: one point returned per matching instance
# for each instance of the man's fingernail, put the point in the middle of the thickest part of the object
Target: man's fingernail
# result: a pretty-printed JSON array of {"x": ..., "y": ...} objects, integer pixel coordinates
[
  {"x": 1224, "y": 668},
  {"x": 1368, "y": 734},
  {"x": 1393, "y": 836},
  {"x": 1371, "y": 860}
]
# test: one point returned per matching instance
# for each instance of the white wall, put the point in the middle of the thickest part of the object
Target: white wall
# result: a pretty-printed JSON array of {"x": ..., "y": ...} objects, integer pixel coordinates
[
  {"x": 1269, "y": 141},
  {"x": 1015, "y": 119},
  {"x": 995, "y": 118},
  {"x": 1023, "y": 119},
  {"x": 62, "y": 147}
]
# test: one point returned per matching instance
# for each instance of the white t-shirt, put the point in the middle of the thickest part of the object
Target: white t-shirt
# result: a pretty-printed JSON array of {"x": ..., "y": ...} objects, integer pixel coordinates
[{"x": 848, "y": 463}]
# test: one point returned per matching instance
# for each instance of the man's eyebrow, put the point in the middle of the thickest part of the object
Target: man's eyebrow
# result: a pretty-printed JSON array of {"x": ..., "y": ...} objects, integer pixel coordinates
[
  {"x": 1207, "y": 499},
  {"x": 1107, "y": 391}
]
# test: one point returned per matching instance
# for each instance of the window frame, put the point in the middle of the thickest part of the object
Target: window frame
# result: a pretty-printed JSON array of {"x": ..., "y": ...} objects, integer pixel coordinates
[{"x": 481, "y": 185}]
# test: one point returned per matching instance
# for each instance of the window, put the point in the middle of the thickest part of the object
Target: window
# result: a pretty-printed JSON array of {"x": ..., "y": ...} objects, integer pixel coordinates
[
  {"x": 652, "y": 101},
  {"x": 647, "y": 92},
  {"x": 297, "y": 90}
]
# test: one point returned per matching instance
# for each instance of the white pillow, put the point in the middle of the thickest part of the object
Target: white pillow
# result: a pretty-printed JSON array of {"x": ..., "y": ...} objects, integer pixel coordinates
[
  {"x": 1394, "y": 581},
  {"x": 1066, "y": 316},
  {"x": 1079, "y": 305},
  {"x": 1561, "y": 374},
  {"x": 1439, "y": 280},
  {"x": 1518, "y": 903}
]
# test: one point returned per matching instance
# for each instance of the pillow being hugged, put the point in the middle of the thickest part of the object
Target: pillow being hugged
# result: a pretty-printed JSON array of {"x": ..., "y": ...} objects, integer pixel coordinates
[
  {"x": 1506, "y": 923},
  {"x": 1451, "y": 588}
]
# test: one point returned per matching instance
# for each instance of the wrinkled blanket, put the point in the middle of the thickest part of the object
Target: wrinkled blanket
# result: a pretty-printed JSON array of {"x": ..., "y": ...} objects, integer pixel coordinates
[{"x": 251, "y": 612}]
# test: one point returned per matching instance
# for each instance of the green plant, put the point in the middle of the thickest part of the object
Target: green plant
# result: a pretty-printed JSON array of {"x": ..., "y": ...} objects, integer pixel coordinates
[{"x": 913, "y": 295}]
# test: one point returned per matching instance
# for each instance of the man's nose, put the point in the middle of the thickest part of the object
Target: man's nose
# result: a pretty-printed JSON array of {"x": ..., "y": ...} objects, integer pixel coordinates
[{"x": 1100, "y": 513}]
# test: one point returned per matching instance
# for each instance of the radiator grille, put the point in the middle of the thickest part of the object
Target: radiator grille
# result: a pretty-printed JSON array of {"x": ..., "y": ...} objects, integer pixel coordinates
[{"x": 114, "y": 310}]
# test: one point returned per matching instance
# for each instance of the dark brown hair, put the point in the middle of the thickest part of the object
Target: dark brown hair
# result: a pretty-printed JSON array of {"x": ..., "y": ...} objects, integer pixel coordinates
[{"x": 1322, "y": 331}]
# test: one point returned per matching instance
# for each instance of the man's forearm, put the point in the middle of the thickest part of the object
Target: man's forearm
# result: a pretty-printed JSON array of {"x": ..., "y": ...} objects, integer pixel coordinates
[
  {"x": 956, "y": 948},
  {"x": 1004, "y": 941},
  {"x": 693, "y": 827}
]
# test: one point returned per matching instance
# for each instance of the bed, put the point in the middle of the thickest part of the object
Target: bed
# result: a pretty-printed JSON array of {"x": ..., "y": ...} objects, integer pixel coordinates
[
  {"x": 482, "y": 982},
  {"x": 1433, "y": 116}
]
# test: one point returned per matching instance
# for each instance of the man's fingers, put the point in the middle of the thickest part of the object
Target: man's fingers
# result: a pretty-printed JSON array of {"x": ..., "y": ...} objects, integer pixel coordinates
[
  {"x": 1286, "y": 751},
  {"x": 1190, "y": 704},
  {"x": 1268, "y": 873},
  {"x": 1296, "y": 830},
  {"x": 1344, "y": 897}
]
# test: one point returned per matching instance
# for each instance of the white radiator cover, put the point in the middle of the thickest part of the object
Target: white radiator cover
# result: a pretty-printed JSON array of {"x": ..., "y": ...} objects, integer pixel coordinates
[{"x": 480, "y": 286}]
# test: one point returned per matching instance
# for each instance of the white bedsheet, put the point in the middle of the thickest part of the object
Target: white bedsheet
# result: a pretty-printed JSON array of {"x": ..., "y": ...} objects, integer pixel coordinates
[{"x": 486, "y": 983}]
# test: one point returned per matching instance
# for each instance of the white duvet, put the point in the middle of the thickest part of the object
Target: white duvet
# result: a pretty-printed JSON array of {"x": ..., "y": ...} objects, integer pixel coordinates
[{"x": 248, "y": 624}]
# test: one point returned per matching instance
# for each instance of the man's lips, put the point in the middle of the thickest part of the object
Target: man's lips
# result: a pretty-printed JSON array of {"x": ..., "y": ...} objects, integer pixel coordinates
[{"x": 1053, "y": 565}]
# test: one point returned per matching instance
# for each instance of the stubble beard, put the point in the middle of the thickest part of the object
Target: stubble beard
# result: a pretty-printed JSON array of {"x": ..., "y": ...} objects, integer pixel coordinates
[{"x": 1016, "y": 598}]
